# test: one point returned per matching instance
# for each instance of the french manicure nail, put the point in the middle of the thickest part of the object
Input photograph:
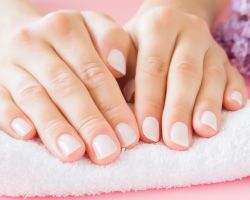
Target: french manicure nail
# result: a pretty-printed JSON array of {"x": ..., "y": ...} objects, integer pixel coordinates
[
  {"x": 117, "y": 60},
  {"x": 104, "y": 146},
  {"x": 179, "y": 134},
  {"x": 126, "y": 134},
  {"x": 237, "y": 96},
  {"x": 151, "y": 128},
  {"x": 68, "y": 144},
  {"x": 209, "y": 118},
  {"x": 21, "y": 127}
]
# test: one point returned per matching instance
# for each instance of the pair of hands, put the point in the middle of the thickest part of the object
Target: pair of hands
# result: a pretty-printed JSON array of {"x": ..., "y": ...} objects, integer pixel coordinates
[{"x": 58, "y": 73}]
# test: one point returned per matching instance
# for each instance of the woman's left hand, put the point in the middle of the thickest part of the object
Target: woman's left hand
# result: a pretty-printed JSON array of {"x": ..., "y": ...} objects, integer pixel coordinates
[{"x": 183, "y": 77}]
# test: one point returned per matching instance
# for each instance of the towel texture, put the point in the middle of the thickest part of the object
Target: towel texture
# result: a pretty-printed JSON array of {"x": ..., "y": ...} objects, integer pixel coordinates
[{"x": 27, "y": 169}]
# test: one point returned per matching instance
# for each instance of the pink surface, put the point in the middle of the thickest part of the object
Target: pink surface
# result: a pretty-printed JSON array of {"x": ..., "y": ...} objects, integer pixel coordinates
[{"x": 122, "y": 10}]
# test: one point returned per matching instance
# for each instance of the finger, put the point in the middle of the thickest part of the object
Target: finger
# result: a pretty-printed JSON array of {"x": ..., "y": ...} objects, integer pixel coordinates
[
  {"x": 75, "y": 102},
  {"x": 235, "y": 96},
  {"x": 55, "y": 132},
  {"x": 184, "y": 80},
  {"x": 208, "y": 105},
  {"x": 155, "y": 46},
  {"x": 110, "y": 40},
  {"x": 101, "y": 85},
  {"x": 12, "y": 120}
]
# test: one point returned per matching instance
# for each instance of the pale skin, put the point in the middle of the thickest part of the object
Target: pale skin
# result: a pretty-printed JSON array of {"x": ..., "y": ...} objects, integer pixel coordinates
[{"x": 57, "y": 77}]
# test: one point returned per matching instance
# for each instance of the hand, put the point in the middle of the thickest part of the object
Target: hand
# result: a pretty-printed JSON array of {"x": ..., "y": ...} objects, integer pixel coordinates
[
  {"x": 183, "y": 77},
  {"x": 55, "y": 81}
]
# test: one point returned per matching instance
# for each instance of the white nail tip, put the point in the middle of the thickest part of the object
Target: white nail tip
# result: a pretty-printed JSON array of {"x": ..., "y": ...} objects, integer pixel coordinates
[
  {"x": 104, "y": 146},
  {"x": 126, "y": 134},
  {"x": 68, "y": 144},
  {"x": 117, "y": 60},
  {"x": 21, "y": 127},
  {"x": 209, "y": 118},
  {"x": 151, "y": 128},
  {"x": 179, "y": 134},
  {"x": 237, "y": 96}
]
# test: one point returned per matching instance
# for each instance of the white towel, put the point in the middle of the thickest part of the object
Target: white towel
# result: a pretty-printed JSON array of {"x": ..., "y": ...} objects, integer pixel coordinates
[{"x": 27, "y": 169}]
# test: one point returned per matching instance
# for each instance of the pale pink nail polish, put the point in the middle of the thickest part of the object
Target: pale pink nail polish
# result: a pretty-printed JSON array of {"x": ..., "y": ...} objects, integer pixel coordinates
[
  {"x": 126, "y": 134},
  {"x": 21, "y": 127},
  {"x": 117, "y": 60},
  {"x": 104, "y": 146},
  {"x": 68, "y": 144},
  {"x": 151, "y": 128},
  {"x": 179, "y": 134},
  {"x": 209, "y": 118},
  {"x": 237, "y": 96}
]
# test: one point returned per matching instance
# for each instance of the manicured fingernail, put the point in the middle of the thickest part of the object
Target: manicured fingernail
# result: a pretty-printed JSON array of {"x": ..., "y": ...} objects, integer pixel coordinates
[
  {"x": 129, "y": 90},
  {"x": 21, "y": 127},
  {"x": 151, "y": 128},
  {"x": 179, "y": 134},
  {"x": 126, "y": 134},
  {"x": 237, "y": 96},
  {"x": 209, "y": 118},
  {"x": 104, "y": 146},
  {"x": 68, "y": 144},
  {"x": 117, "y": 60}
]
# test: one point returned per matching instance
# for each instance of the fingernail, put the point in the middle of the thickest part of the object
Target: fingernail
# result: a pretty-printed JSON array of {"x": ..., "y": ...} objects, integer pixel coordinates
[
  {"x": 68, "y": 144},
  {"x": 126, "y": 134},
  {"x": 151, "y": 128},
  {"x": 104, "y": 146},
  {"x": 237, "y": 96},
  {"x": 21, "y": 127},
  {"x": 209, "y": 118},
  {"x": 117, "y": 60},
  {"x": 179, "y": 134}
]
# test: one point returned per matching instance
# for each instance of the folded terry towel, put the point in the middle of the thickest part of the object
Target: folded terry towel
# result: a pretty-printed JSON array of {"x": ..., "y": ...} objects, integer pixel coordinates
[{"x": 27, "y": 169}]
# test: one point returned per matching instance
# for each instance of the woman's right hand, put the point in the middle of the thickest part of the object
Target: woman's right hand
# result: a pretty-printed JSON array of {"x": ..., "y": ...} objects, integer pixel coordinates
[{"x": 54, "y": 81}]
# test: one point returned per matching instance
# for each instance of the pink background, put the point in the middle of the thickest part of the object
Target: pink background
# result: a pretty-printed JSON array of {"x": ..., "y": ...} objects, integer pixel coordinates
[{"x": 122, "y": 11}]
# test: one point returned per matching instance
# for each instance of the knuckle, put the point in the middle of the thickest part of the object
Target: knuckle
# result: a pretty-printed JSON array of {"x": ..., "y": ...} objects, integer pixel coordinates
[
  {"x": 50, "y": 127},
  {"x": 29, "y": 90},
  {"x": 93, "y": 74},
  {"x": 189, "y": 68},
  {"x": 157, "y": 17},
  {"x": 199, "y": 23},
  {"x": 58, "y": 22},
  {"x": 178, "y": 107},
  {"x": 112, "y": 110},
  {"x": 216, "y": 71},
  {"x": 62, "y": 84},
  {"x": 87, "y": 123},
  {"x": 22, "y": 36},
  {"x": 209, "y": 102},
  {"x": 154, "y": 66}
]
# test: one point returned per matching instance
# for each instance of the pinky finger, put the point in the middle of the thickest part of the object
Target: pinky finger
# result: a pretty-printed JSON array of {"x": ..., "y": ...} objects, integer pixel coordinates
[
  {"x": 236, "y": 92},
  {"x": 12, "y": 120}
]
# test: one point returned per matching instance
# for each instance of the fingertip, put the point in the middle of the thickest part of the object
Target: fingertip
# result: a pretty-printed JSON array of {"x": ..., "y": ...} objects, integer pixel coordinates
[
  {"x": 150, "y": 129},
  {"x": 206, "y": 124},
  {"x": 103, "y": 149},
  {"x": 71, "y": 147},
  {"x": 234, "y": 100},
  {"x": 22, "y": 128},
  {"x": 179, "y": 137}
]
